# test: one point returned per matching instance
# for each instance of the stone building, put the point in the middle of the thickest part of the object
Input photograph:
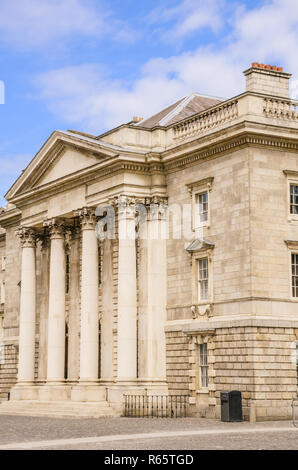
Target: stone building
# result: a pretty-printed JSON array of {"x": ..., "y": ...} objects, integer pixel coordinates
[{"x": 207, "y": 304}]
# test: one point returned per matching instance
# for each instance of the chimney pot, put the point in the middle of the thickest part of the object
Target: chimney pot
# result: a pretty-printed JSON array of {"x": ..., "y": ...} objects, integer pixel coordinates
[{"x": 267, "y": 79}]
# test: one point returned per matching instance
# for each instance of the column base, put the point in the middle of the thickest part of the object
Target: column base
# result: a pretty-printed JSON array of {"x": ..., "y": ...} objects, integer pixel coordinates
[
  {"x": 54, "y": 392},
  {"x": 88, "y": 391},
  {"x": 24, "y": 391}
]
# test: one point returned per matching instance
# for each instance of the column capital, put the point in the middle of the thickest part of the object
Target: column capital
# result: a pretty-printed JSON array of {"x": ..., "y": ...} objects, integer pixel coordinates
[
  {"x": 56, "y": 227},
  {"x": 130, "y": 206},
  {"x": 43, "y": 239},
  {"x": 152, "y": 208},
  {"x": 27, "y": 236},
  {"x": 126, "y": 205},
  {"x": 87, "y": 218}
]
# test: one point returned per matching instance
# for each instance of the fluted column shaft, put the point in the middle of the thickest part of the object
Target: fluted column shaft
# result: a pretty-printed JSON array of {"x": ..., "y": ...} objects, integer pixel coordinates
[
  {"x": 89, "y": 298},
  {"x": 152, "y": 296},
  {"x": 27, "y": 307},
  {"x": 127, "y": 294},
  {"x": 56, "y": 320},
  {"x": 44, "y": 308}
]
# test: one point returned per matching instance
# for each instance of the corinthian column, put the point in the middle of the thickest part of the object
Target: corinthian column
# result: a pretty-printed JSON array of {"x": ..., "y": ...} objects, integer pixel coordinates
[
  {"x": 127, "y": 293},
  {"x": 89, "y": 298},
  {"x": 152, "y": 295},
  {"x": 27, "y": 307},
  {"x": 43, "y": 308},
  {"x": 56, "y": 320}
]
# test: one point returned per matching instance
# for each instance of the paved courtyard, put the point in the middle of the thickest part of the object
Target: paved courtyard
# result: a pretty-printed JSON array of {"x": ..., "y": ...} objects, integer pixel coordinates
[{"x": 22, "y": 432}]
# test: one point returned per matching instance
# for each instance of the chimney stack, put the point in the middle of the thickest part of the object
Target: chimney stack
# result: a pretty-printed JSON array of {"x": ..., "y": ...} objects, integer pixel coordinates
[{"x": 268, "y": 80}]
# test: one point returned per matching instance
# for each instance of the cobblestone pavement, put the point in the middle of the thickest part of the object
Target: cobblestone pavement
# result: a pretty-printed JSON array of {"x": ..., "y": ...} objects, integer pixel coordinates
[{"x": 135, "y": 434}]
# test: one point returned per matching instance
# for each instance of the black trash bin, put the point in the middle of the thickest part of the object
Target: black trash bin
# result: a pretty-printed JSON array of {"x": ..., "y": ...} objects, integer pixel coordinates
[{"x": 231, "y": 406}]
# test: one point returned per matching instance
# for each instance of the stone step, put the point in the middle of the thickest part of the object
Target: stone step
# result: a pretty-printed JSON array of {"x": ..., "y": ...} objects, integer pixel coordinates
[
  {"x": 58, "y": 412},
  {"x": 57, "y": 408},
  {"x": 55, "y": 404}
]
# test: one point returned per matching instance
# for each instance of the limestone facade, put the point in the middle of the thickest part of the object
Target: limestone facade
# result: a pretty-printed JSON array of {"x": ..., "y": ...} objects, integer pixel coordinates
[{"x": 194, "y": 298}]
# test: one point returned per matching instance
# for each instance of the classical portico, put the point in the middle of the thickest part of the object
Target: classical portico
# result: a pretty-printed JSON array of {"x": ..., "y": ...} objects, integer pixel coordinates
[{"x": 119, "y": 349}]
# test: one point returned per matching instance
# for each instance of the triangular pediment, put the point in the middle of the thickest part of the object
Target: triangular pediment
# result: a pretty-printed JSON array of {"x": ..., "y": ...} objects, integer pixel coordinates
[
  {"x": 199, "y": 244},
  {"x": 67, "y": 162},
  {"x": 62, "y": 156}
]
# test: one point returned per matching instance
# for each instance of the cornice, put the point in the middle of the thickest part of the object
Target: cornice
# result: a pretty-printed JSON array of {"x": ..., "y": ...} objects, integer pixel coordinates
[
  {"x": 205, "y": 182},
  {"x": 10, "y": 218},
  {"x": 291, "y": 173},
  {"x": 112, "y": 165},
  {"x": 292, "y": 244},
  {"x": 79, "y": 178},
  {"x": 231, "y": 145},
  {"x": 58, "y": 138},
  {"x": 54, "y": 153}
]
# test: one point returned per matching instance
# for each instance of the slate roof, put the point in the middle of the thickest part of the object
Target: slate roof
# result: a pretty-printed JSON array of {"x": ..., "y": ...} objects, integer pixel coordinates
[{"x": 181, "y": 109}]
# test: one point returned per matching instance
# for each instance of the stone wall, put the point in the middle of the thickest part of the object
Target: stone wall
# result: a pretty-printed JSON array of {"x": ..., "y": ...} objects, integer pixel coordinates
[
  {"x": 12, "y": 283},
  {"x": 8, "y": 369},
  {"x": 271, "y": 226},
  {"x": 229, "y": 231},
  {"x": 259, "y": 361},
  {"x": 9, "y": 247},
  {"x": 178, "y": 367}
]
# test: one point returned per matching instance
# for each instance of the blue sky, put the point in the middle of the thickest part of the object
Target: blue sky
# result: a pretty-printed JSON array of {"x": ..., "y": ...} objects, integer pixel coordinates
[{"x": 93, "y": 64}]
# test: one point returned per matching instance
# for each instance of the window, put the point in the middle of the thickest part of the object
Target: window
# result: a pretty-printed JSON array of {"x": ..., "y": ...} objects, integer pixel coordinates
[
  {"x": 200, "y": 200},
  {"x": 203, "y": 365},
  {"x": 292, "y": 195},
  {"x": 202, "y": 208},
  {"x": 294, "y": 199},
  {"x": 3, "y": 263},
  {"x": 203, "y": 293},
  {"x": 294, "y": 258}
]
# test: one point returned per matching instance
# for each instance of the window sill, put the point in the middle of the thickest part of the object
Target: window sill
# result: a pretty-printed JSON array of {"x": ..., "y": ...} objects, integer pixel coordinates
[
  {"x": 202, "y": 391},
  {"x": 199, "y": 227}
]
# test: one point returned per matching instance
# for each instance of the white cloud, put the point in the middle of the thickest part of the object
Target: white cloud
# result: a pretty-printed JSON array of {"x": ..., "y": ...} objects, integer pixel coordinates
[
  {"x": 33, "y": 23},
  {"x": 269, "y": 32},
  {"x": 188, "y": 16},
  {"x": 86, "y": 96}
]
